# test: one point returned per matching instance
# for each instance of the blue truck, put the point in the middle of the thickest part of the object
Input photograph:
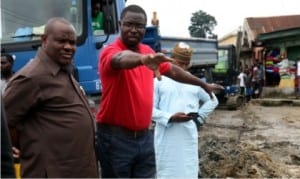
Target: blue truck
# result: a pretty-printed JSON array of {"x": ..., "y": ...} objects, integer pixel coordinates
[
  {"x": 23, "y": 23},
  {"x": 22, "y": 28}
]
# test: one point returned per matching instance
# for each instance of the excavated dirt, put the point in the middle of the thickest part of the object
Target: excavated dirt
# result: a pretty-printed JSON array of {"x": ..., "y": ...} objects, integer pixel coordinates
[{"x": 251, "y": 142}]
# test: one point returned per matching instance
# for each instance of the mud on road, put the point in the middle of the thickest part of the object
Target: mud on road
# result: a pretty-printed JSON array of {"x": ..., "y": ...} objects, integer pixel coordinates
[{"x": 254, "y": 141}]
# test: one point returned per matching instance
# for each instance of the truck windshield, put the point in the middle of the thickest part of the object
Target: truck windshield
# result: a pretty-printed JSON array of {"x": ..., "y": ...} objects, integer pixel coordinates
[
  {"x": 23, "y": 21},
  {"x": 222, "y": 65}
]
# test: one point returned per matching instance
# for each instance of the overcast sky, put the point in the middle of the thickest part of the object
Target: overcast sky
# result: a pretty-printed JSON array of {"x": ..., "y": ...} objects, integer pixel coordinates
[{"x": 174, "y": 15}]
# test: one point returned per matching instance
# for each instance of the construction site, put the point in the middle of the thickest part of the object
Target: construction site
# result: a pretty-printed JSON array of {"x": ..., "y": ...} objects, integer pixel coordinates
[{"x": 259, "y": 140}]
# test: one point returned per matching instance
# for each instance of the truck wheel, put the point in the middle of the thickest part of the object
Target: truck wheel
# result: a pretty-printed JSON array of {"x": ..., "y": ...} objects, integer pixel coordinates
[{"x": 233, "y": 102}]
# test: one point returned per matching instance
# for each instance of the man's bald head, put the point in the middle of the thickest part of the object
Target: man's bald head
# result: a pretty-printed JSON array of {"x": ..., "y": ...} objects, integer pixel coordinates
[{"x": 54, "y": 22}]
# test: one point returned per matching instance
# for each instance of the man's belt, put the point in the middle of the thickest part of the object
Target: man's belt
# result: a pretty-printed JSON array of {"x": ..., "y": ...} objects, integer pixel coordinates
[{"x": 118, "y": 130}]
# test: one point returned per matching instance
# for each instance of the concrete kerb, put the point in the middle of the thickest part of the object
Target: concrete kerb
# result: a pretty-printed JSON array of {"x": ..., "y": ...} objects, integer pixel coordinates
[
  {"x": 273, "y": 96},
  {"x": 276, "y": 102}
]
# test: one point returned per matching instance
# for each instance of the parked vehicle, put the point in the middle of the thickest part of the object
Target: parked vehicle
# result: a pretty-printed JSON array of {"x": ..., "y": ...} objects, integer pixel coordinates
[
  {"x": 225, "y": 73},
  {"x": 21, "y": 30},
  {"x": 205, "y": 54},
  {"x": 212, "y": 63}
]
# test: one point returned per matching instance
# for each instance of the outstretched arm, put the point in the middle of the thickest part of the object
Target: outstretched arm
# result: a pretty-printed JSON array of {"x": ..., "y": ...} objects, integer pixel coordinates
[
  {"x": 178, "y": 74},
  {"x": 128, "y": 59}
]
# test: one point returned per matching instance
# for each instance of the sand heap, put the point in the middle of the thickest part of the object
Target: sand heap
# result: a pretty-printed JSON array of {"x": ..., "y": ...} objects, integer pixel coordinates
[{"x": 231, "y": 158}]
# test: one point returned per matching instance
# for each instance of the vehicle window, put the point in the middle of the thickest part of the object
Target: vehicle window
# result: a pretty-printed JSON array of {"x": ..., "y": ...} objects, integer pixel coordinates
[
  {"x": 25, "y": 22},
  {"x": 104, "y": 17},
  {"x": 97, "y": 17},
  {"x": 222, "y": 60}
]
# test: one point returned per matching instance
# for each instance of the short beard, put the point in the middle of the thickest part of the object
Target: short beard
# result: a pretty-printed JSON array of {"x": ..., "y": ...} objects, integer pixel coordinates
[{"x": 5, "y": 73}]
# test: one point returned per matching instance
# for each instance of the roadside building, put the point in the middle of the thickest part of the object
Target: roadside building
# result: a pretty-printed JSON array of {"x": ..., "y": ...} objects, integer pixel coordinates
[{"x": 275, "y": 43}]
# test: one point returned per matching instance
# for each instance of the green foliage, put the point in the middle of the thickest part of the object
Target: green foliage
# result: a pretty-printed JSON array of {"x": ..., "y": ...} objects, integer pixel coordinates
[{"x": 202, "y": 24}]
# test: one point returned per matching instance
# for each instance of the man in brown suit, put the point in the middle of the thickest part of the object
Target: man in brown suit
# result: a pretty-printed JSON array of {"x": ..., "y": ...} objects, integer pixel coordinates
[{"x": 46, "y": 107}]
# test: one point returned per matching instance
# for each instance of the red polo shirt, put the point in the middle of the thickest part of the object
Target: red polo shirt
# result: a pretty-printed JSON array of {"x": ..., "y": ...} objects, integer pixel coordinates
[{"x": 127, "y": 95}]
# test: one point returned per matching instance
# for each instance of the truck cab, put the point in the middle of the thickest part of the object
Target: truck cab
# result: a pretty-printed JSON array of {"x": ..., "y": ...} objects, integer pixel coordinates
[
  {"x": 225, "y": 73},
  {"x": 23, "y": 23}
]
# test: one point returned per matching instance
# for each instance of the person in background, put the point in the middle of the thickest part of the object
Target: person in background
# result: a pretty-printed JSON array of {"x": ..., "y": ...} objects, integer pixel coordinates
[
  {"x": 155, "y": 20},
  {"x": 255, "y": 79},
  {"x": 127, "y": 69},
  {"x": 7, "y": 161},
  {"x": 7, "y": 62},
  {"x": 248, "y": 84},
  {"x": 241, "y": 82},
  {"x": 175, "y": 133},
  {"x": 51, "y": 118},
  {"x": 261, "y": 78},
  {"x": 97, "y": 18}
]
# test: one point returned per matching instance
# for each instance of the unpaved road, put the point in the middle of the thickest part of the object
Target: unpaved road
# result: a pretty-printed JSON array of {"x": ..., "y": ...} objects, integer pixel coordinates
[{"x": 254, "y": 141}]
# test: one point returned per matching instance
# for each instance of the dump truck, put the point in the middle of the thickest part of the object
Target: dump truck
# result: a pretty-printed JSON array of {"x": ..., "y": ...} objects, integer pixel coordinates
[
  {"x": 213, "y": 63},
  {"x": 205, "y": 54}
]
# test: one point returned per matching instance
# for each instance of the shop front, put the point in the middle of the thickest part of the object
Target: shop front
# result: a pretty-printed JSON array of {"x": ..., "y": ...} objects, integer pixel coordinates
[{"x": 280, "y": 57}]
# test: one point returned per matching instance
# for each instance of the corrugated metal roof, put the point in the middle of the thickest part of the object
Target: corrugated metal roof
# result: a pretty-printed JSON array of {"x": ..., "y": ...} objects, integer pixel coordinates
[{"x": 260, "y": 25}]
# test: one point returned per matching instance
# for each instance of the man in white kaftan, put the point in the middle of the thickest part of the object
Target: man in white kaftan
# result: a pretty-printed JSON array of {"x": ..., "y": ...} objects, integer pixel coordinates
[{"x": 176, "y": 135}]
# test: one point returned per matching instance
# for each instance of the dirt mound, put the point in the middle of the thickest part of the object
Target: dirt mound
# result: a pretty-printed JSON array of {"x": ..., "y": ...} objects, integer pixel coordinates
[{"x": 225, "y": 157}]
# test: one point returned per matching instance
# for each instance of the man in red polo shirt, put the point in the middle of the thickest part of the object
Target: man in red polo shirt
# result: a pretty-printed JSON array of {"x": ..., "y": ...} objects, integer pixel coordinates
[{"x": 127, "y": 69}]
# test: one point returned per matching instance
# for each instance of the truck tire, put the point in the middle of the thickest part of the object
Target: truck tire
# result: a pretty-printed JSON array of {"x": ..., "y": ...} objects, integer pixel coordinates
[{"x": 234, "y": 102}]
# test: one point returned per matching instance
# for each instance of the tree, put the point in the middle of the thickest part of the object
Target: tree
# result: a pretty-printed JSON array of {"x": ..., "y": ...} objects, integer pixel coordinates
[{"x": 202, "y": 24}]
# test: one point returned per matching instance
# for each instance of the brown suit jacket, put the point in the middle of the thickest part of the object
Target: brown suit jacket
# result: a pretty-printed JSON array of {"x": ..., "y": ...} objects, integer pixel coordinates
[{"x": 54, "y": 121}]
